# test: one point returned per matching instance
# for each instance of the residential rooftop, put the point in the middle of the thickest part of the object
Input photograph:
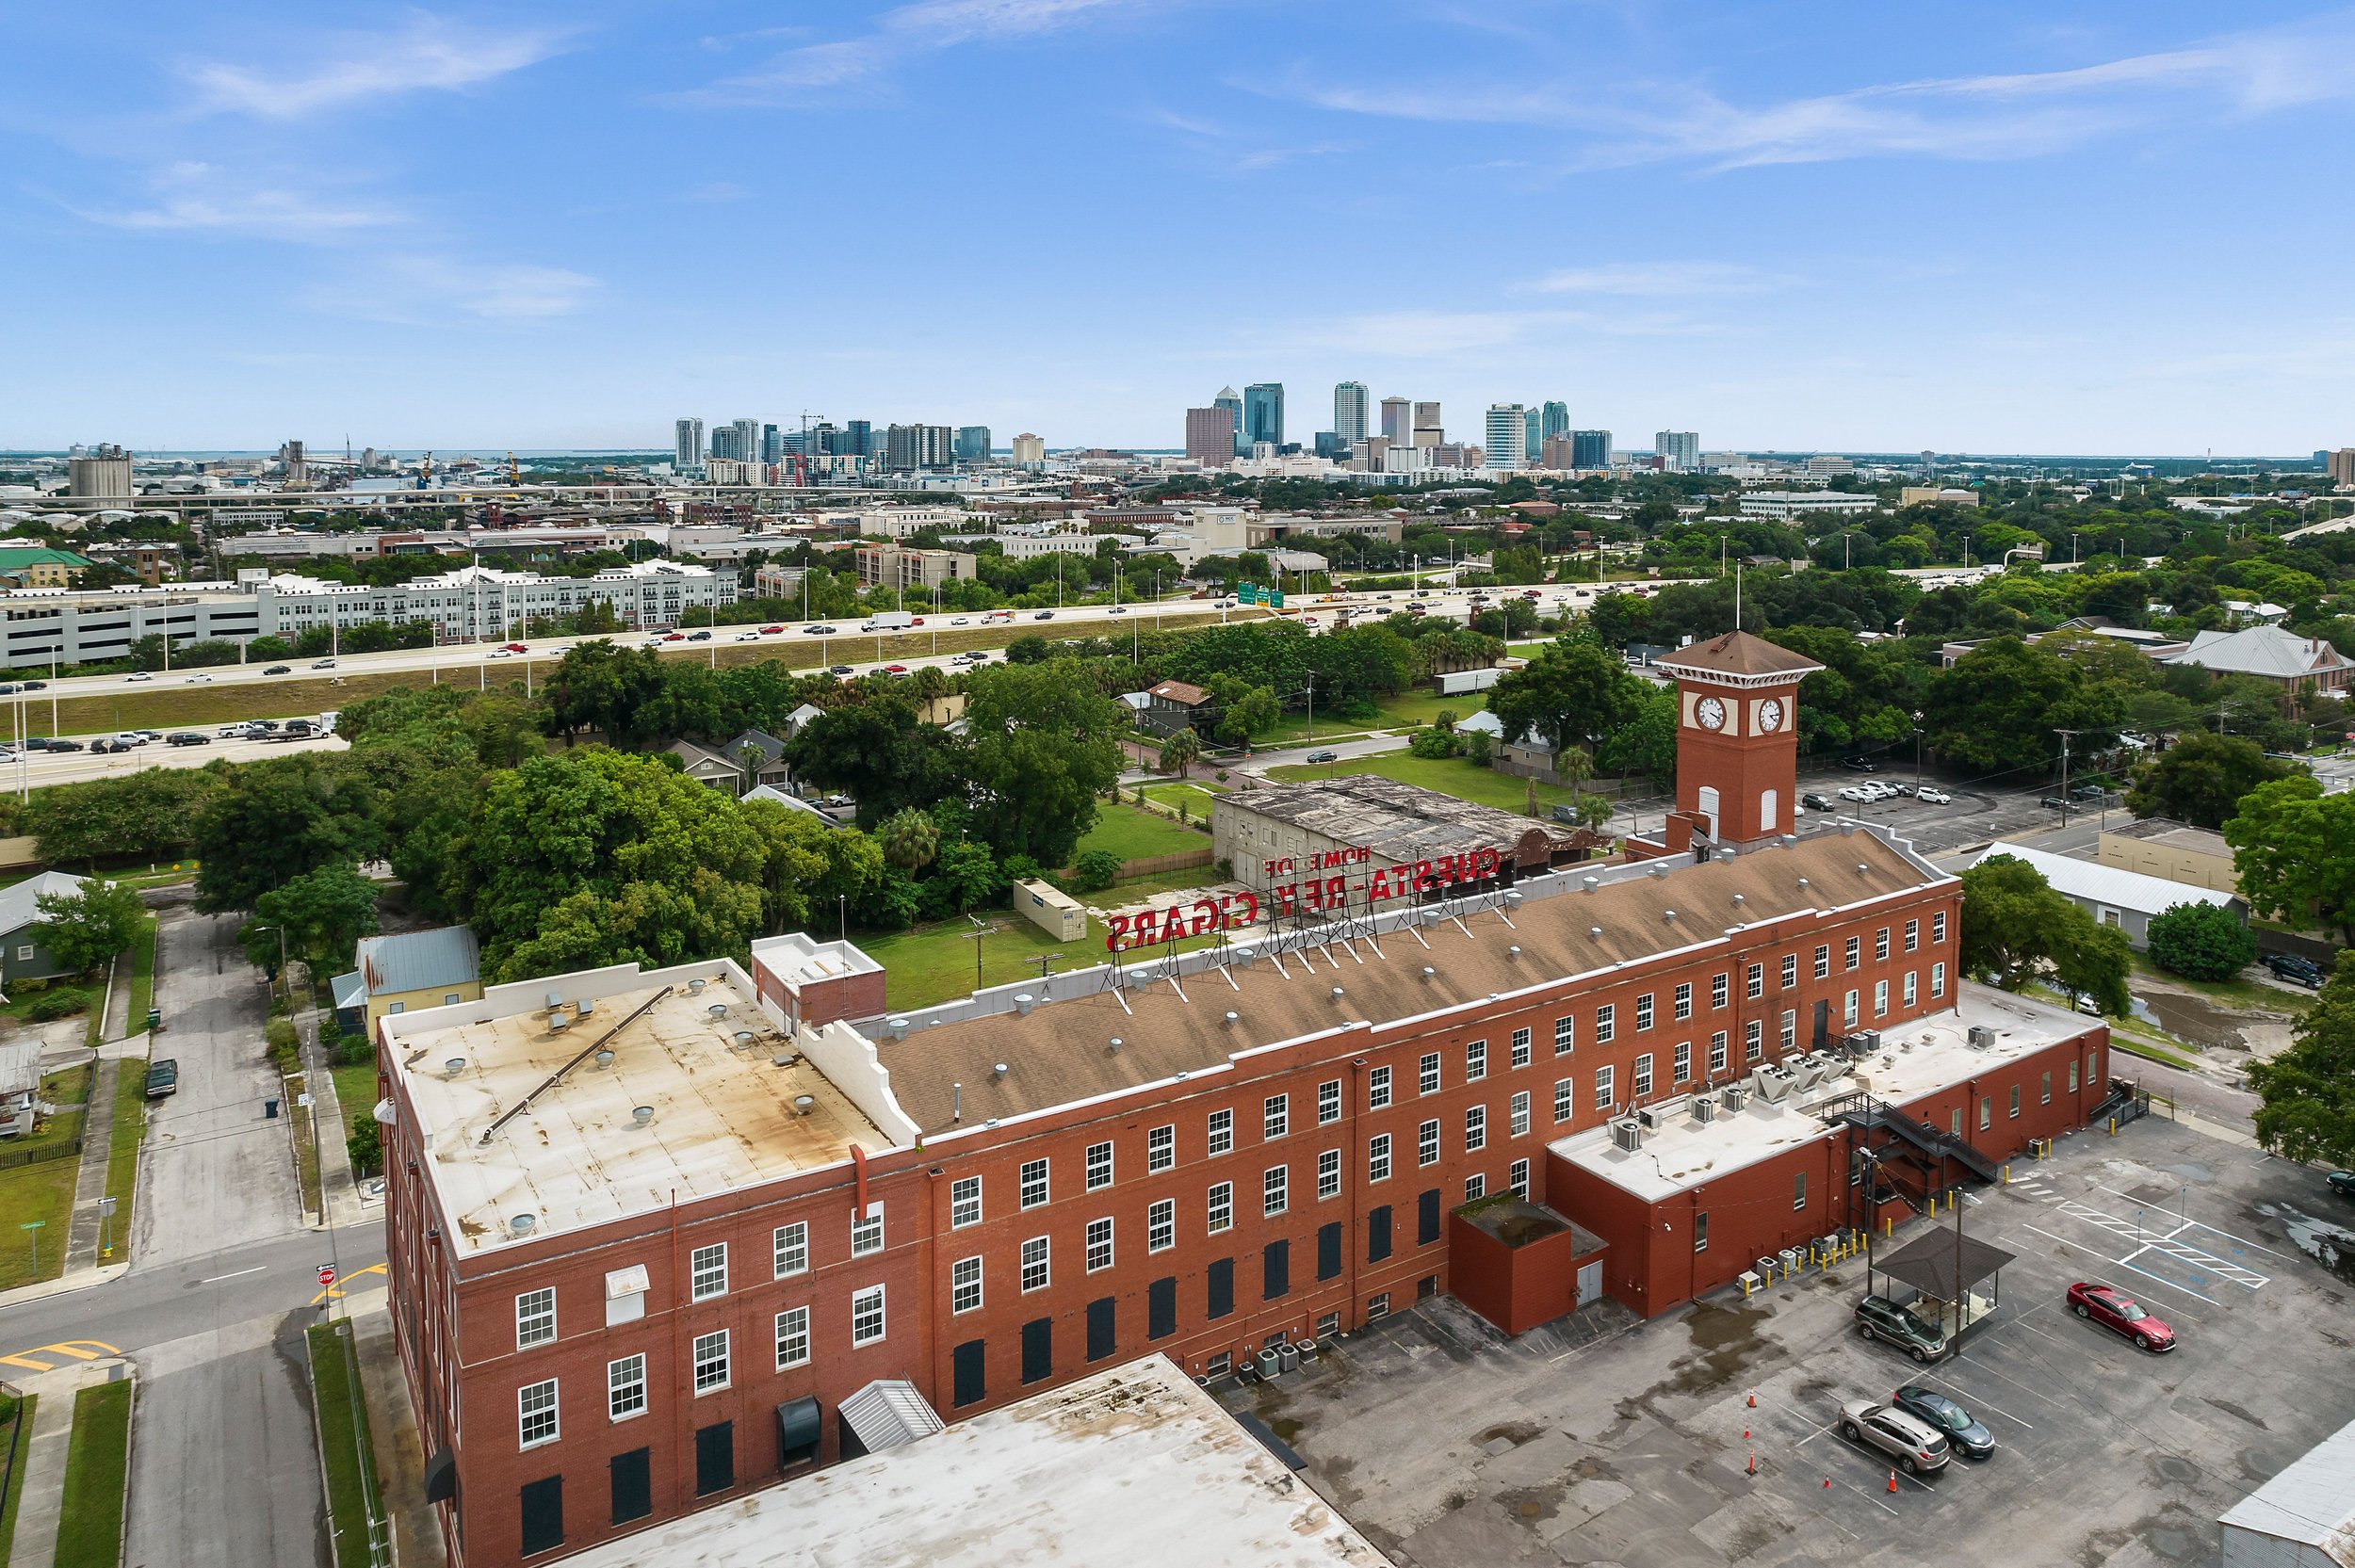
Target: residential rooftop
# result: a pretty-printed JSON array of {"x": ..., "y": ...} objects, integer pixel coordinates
[
  {"x": 1134, "y": 1467},
  {"x": 722, "y": 1086},
  {"x": 1171, "y": 1016},
  {"x": 1919, "y": 1059}
]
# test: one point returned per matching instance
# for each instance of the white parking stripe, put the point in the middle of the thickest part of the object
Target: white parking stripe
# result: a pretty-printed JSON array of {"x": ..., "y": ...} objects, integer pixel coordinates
[
  {"x": 2242, "y": 1240},
  {"x": 2161, "y": 1279},
  {"x": 1980, "y": 1403}
]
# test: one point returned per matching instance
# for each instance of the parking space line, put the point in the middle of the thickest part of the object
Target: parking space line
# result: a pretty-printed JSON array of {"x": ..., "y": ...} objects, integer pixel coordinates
[
  {"x": 1854, "y": 1447},
  {"x": 2242, "y": 1240},
  {"x": 1981, "y": 1403},
  {"x": 2170, "y": 1284}
]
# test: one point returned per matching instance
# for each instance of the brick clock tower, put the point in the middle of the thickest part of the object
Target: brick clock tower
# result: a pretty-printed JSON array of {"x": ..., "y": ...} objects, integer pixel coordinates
[{"x": 1737, "y": 737}]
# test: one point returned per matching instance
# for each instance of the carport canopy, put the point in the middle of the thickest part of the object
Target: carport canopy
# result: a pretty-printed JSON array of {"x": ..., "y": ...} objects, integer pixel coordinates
[{"x": 1943, "y": 1264}]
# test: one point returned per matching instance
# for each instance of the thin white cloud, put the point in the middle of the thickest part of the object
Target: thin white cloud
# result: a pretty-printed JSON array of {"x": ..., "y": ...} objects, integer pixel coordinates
[
  {"x": 2001, "y": 116},
  {"x": 927, "y": 26},
  {"x": 430, "y": 54},
  {"x": 423, "y": 288},
  {"x": 192, "y": 197},
  {"x": 1655, "y": 280}
]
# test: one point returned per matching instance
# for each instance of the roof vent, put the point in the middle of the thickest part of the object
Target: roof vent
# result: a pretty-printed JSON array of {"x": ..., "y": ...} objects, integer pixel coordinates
[
  {"x": 1802, "y": 884},
  {"x": 804, "y": 1103},
  {"x": 1862, "y": 869},
  {"x": 1513, "y": 951},
  {"x": 605, "y": 1059},
  {"x": 454, "y": 1066},
  {"x": 695, "y": 988},
  {"x": 1659, "y": 873},
  {"x": 1429, "y": 972},
  {"x": 780, "y": 1058},
  {"x": 1233, "y": 1018},
  {"x": 998, "y": 1070},
  {"x": 1338, "y": 992},
  {"x": 1847, "y": 828},
  {"x": 718, "y": 1009},
  {"x": 583, "y": 1007},
  {"x": 521, "y": 1225},
  {"x": 1116, "y": 1044},
  {"x": 1739, "y": 900},
  {"x": 555, "y": 999},
  {"x": 899, "y": 1027},
  {"x": 743, "y": 1037},
  {"x": 1512, "y": 900},
  {"x": 1024, "y": 1003},
  {"x": 1595, "y": 932},
  {"x": 1246, "y": 956},
  {"x": 1790, "y": 840},
  {"x": 642, "y": 1115},
  {"x": 1591, "y": 883},
  {"x": 560, "y": 1021}
]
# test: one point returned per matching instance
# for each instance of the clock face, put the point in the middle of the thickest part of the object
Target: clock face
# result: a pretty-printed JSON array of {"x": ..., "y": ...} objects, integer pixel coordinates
[
  {"x": 1770, "y": 714},
  {"x": 1711, "y": 712}
]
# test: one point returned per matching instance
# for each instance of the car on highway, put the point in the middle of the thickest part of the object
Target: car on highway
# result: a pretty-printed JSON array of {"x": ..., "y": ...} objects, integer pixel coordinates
[
  {"x": 1930, "y": 795},
  {"x": 1324, "y": 756},
  {"x": 841, "y": 669},
  {"x": 1963, "y": 1432},
  {"x": 2297, "y": 970},
  {"x": 279, "y": 670},
  {"x": 1914, "y": 1443},
  {"x": 895, "y": 669},
  {"x": 322, "y": 664},
  {"x": 2121, "y": 1313},
  {"x": 961, "y": 620},
  {"x": 1878, "y": 1317},
  {"x": 699, "y": 636},
  {"x": 186, "y": 737},
  {"x": 746, "y": 636},
  {"x": 772, "y": 631},
  {"x": 196, "y": 680},
  {"x": 62, "y": 745},
  {"x": 818, "y": 631},
  {"x": 33, "y": 686},
  {"x": 1123, "y": 609},
  {"x": 674, "y": 636},
  {"x": 500, "y": 654},
  {"x": 139, "y": 675},
  {"x": 163, "y": 1077},
  {"x": 1818, "y": 801},
  {"x": 517, "y": 648},
  {"x": 1044, "y": 615}
]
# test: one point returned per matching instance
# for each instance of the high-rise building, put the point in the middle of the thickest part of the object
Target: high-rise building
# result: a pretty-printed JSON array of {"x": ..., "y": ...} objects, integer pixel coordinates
[
  {"x": 2341, "y": 466},
  {"x": 687, "y": 448},
  {"x": 101, "y": 470},
  {"x": 297, "y": 465},
  {"x": 1028, "y": 448},
  {"x": 1349, "y": 409},
  {"x": 748, "y": 440},
  {"x": 908, "y": 448},
  {"x": 1559, "y": 452},
  {"x": 1507, "y": 423},
  {"x": 1263, "y": 413},
  {"x": 1590, "y": 448},
  {"x": 1428, "y": 431},
  {"x": 1329, "y": 445},
  {"x": 1681, "y": 450},
  {"x": 724, "y": 448},
  {"x": 1231, "y": 400},
  {"x": 972, "y": 443},
  {"x": 858, "y": 438},
  {"x": 1211, "y": 435},
  {"x": 772, "y": 443},
  {"x": 1556, "y": 420},
  {"x": 1534, "y": 438},
  {"x": 1398, "y": 421}
]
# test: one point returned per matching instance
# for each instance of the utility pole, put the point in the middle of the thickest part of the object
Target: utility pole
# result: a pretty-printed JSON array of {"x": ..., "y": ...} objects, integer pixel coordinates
[{"x": 2067, "y": 736}]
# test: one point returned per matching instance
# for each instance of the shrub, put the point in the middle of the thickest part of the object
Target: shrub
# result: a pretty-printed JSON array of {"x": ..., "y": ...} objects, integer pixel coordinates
[
  {"x": 365, "y": 1145},
  {"x": 1095, "y": 872},
  {"x": 1477, "y": 750},
  {"x": 353, "y": 1049},
  {"x": 2200, "y": 941},
  {"x": 50, "y": 1005},
  {"x": 285, "y": 1048},
  {"x": 1433, "y": 744}
]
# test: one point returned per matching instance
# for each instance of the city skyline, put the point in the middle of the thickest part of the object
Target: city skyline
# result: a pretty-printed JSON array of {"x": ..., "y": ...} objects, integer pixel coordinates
[{"x": 1830, "y": 237}]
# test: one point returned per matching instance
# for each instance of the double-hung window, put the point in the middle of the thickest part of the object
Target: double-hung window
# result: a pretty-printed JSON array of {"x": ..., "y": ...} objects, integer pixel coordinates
[
  {"x": 1222, "y": 1207},
  {"x": 1880, "y": 946},
  {"x": 1161, "y": 1225},
  {"x": 1329, "y": 1173},
  {"x": 1378, "y": 1089},
  {"x": 1099, "y": 1245},
  {"x": 790, "y": 1249},
  {"x": 1643, "y": 1013},
  {"x": 1033, "y": 1183},
  {"x": 711, "y": 1361},
  {"x": 624, "y": 1387},
  {"x": 1160, "y": 1148},
  {"x": 793, "y": 1337},
  {"x": 1754, "y": 1039},
  {"x": 1606, "y": 1023},
  {"x": 1643, "y": 1075},
  {"x": 1716, "y": 1053},
  {"x": 1475, "y": 1060},
  {"x": 1520, "y": 1112},
  {"x": 1602, "y": 1088},
  {"x": 1565, "y": 1099},
  {"x": 1100, "y": 1165},
  {"x": 1683, "y": 1061},
  {"x": 867, "y": 1316},
  {"x": 535, "y": 1414},
  {"x": 1222, "y": 1131},
  {"x": 1276, "y": 1189},
  {"x": 965, "y": 1285},
  {"x": 1855, "y": 952},
  {"x": 1938, "y": 979},
  {"x": 867, "y": 1232},
  {"x": 1520, "y": 1048},
  {"x": 964, "y": 1201},
  {"x": 1565, "y": 1035},
  {"x": 535, "y": 1318},
  {"x": 1427, "y": 1144},
  {"x": 1328, "y": 1101},
  {"x": 1378, "y": 1157},
  {"x": 1476, "y": 1128},
  {"x": 1720, "y": 987},
  {"x": 1790, "y": 970},
  {"x": 1276, "y": 1116},
  {"x": 707, "y": 1272},
  {"x": 1684, "y": 999},
  {"x": 1037, "y": 1265},
  {"x": 1823, "y": 962},
  {"x": 1754, "y": 981},
  {"x": 1427, "y": 1073}
]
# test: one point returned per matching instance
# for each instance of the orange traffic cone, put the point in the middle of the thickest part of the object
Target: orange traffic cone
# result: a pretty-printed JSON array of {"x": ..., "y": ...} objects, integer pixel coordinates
[
  {"x": 1827, "y": 1483},
  {"x": 1892, "y": 1481},
  {"x": 1753, "y": 1398}
]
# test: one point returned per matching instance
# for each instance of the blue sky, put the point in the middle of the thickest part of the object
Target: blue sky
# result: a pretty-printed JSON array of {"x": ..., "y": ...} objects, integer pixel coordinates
[{"x": 2039, "y": 227}]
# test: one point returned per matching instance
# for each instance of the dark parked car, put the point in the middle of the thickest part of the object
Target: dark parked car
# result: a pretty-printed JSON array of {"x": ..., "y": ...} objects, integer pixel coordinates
[
  {"x": 1950, "y": 1420},
  {"x": 1324, "y": 756},
  {"x": 2341, "y": 1183},
  {"x": 843, "y": 670},
  {"x": 2121, "y": 1313},
  {"x": 1857, "y": 765},
  {"x": 65, "y": 744},
  {"x": 163, "y": 1077},
  {"x": 187, "y": 738},
  {"x": 279, "y": 670},
  {"x": 699, "y": 636},
  {"x": 1878, "y": 1317},
  {"x": 1817, "y": 801},
  {"x": 1044, "y": 615},
  {"x": 2085, "y": 792},
  {"x": 2054, "y": 803},
  {"x": 33, "y": 686},
  {"x": 2297, "y": 971}
]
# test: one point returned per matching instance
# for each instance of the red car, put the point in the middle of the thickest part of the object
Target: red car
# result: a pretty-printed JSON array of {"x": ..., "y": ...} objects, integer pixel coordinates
[
  {"x": 517, "y": 648},
  {"x": 2114, "y": 1309},
  {"x": 772, "y": 630},
  {"x": 675, "y": 636},
  {"x": 895, "y": 669}
]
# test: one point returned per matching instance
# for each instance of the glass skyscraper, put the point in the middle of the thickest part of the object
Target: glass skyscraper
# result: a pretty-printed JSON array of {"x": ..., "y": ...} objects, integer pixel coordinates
[
  {"x": 1231, "y": 401},
  {"x": 1556, "y": 422},
  {"x": 1590, "y": 448},
  {"x": 1263, "y": 413},
  {"x": 1507, "y": 431},
  {"x": 1352, "y": 407}
]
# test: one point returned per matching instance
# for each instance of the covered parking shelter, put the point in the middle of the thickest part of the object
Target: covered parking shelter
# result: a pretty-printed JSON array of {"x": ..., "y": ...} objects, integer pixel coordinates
[{"x": 1945, "y": 1267}]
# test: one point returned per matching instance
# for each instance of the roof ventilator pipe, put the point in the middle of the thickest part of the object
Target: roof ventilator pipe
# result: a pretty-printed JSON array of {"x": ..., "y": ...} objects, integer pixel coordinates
[
  {"x": 804, "y": 1103},
  {"x": 1024, "y": 1002},
  {"x": 695, "y": 987},
  {"x": 582, "y": 1054},
  {"x": 1591, "y": 883},
  {"x": 1116, "y": 1044},
  {"x": 585, "y": 1006},
  {"x": 605, "y": 1059},
  {"x": 1233, "y": 1018},
  {"x": 642, "y": 1115},
  {"x": 454, "y": 1066},
  {"x": 1429, "y": 972},
  {"x": 1513, "y": 951},
  {"x": 1338, "y": 993},
  {"x": 521, "y": 1225},
  {"x": 718, "y": 1009},
  {"x": 1595, "y": 932},
  {"x": 998, "y": 1070},
  {"x": 1668, "y": 915},
  {"x": 898, "y": 1029}
]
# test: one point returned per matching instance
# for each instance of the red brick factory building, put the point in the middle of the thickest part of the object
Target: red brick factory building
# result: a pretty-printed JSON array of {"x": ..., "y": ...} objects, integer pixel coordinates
[{"x": 659, "y": 1238}]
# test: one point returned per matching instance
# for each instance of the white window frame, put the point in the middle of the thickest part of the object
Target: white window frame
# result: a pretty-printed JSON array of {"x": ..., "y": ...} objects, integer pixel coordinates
[
  {"x": 1681, "y": 1061},
  {"x": 626, "y": 1388},
  {"x": 965, "y": 1285},
  {"x": 1938, "y": 927},
  {"x": 1518, "y": 1114},
  {"x": 792, "y": 1336},
  {"x": 1099, "y": 1245},
  {"x": 1754, "y": 983},
  {"x": 1275, "y": 1190},
  {"x": 1790, "y": 1030},
  {"x": 1037, "y": 1263},
  {"x": 1476, "y": 1128},
  {"x": 536, "y": 1403},
  {"x": 1378, "y": 1089},
  {"x": 1720, "y": 991},
  {"x": 1035, "y": 1179},
  {"x": 1564, "y": 1034},
  {"x": 1881, "y": 999},
  {"x": 1517, "y": 1053},
  {"x": 1605, "y": 1086},
  {"x": 964, "y": 1203},
  {"x": 535, "y": 1318},
  {"x": 1716, "y": 1053},
  {"x": 1823, "y": 960},
  {"x": 1475, "y": 1188},
  {"x": 707, "y": 1272},
  {"x": 1160, "y": 1148},
  {"x": 1328, "y": 1101},
  {"x": 788, "y": 1250},
  {"x": 1642, "y": 1081},
  {"x": 1222, "y": 1132},
  {"x": 1160, "y": 1224},
  {"x": 1427, "y": 1073},
  {"x": 1913, "y": 935},
  {"x": 1378, "y": 1158},
  {"x": 1427, "y": 1144},
  {"x": 1852, "y": 953},
  {"x": 707, "y": 1381},
  {"x": 1681, "y": 1002},
  {"x": 1475, "y": 1060},
  {"x": 1754, "y": 1041},
  {"x": 1643, "y": 1013},
  {"x": 1098, "y": 1170},
  {"x": 1565, "y": 1100},
  {"x": 1938, "y": 979},
  {"x": 1880, "y": 946},
  {"x": 1328, "y": 1173},
  {"x": 866, "y": 1304},
  {"x": 1912, "y": 987},
  {"x": 1275, "y": 1117},
  {"x": 1847, "y": 1011},
  {"x": 1606, "y": 1023},
  {"x": 867, "y": 1232},
  {"x": 1790, "y": 971},
  {"x": 1221, "y": 1210}
]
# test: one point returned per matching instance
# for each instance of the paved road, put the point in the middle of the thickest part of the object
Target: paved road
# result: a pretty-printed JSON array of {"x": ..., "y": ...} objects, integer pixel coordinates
[
  {"x": 226, "y": 1472},
  {"x": 40, "y": 769}
]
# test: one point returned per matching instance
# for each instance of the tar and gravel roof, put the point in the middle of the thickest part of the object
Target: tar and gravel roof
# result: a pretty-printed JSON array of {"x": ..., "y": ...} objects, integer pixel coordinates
[
  {"x": 1061, "y": 1052},
  {"x": 1134, "y": 1467},
  {"x": 1395, "y": 820}
]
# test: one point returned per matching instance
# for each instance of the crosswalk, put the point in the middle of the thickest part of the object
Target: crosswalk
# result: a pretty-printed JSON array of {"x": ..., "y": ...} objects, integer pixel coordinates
[{"x": 2150, "y": 1238}]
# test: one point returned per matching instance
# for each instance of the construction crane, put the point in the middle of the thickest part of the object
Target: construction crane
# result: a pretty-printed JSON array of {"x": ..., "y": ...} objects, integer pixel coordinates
[{"x": 514, "y": 475}]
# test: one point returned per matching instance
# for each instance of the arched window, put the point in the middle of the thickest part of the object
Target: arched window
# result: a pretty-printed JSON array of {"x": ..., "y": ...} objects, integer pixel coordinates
[{"x": 1707, "y": 804}]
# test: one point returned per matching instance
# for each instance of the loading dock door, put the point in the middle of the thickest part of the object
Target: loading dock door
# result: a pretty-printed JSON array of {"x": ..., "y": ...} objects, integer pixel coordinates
[{"x": 1589, "y": 1282}]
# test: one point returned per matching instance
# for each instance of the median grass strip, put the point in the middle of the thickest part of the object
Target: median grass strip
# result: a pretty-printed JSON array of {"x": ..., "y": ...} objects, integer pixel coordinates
[
  {"x": 123, "y": 1153},
  {"x": 16, "y": 1416},
  {"x": 346, "y": 1449},
  {"x": 89, "y": 1527}
]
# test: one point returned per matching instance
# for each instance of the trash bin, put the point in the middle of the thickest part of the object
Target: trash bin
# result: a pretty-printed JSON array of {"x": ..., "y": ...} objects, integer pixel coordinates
[{"x": 269, "y": 1109}]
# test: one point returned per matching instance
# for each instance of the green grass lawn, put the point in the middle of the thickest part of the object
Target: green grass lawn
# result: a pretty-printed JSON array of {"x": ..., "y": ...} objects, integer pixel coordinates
[
  {"x": 355, "y": 1090},
  {"x": 1419, "y": 706},
  {"x": 142, "y": 981},
  {"x": 122, "y": 1152},
  {"x": 2234, "y": 992},
  {"x": 23, "y": 1412},
  {"x": 30, "y": 1192},
  {"x": 90, "y": 1530},
  {"x": 1449, "y": 775},
  {"x": 931, "y": 964},
  {"x": 1195, "y": 794},
  {"x": 342, "y": 1418},
  {"x": 1134, "y": 835}
]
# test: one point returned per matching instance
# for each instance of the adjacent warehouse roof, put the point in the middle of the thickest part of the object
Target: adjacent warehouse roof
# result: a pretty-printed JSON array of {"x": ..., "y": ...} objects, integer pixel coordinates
[
  {"x": 1134, "y": 1468},
  {"x": 2108, "y": 884},
  {"x": 2306, "y": 1515},
  {"x": 19, "y": 906},
  {"x": 1399, "y": 822},
  {"x": 419, "y": 960}
]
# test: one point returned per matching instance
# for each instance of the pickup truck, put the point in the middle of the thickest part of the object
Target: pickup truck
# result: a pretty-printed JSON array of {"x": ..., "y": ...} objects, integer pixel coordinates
[{"x": 163, "y": 1077}]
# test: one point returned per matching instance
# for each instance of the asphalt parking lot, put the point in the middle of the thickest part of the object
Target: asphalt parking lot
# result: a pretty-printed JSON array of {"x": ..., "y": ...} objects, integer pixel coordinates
[
  {"x": 1975, "y": 815},
  {"x": 1606, "y": 1440}
]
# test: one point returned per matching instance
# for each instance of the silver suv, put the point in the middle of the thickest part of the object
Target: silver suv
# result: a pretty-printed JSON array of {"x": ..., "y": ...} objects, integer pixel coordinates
[{"x": 1914, "y": 1443}]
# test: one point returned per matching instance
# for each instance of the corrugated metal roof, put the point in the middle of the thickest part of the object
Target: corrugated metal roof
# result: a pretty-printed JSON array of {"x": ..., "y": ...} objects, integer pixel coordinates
[
  {"x": 20, "y": 905},
  {"x": 419, "y": 960},
  {"x": 2311, "y": 1502},
  {"x": 2108, "y": 884},
  {"x": 350, "y": 990},
  {"x": 20, "y": 1068}
]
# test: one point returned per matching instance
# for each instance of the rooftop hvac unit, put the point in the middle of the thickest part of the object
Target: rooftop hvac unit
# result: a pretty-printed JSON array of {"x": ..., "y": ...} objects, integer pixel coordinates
[
  {"x": 1771, "y": 1082},
  {"x": 1735, "y": 1095},
  {"x": 1804, "y": 1070},
  {"x": 1660, "y": 1113},
  {"x": 1982, "y": 1038},
  {"x": 1627, "y": 1134},
  {"x": 1704, "y": 1108}
]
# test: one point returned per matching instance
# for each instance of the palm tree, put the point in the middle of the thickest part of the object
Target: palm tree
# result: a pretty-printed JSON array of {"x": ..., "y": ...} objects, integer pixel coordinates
[
  {"x": 1179, "y": 751},
  {"x": 1574, "y": 767},
  {"x": 909, "y": 839}
]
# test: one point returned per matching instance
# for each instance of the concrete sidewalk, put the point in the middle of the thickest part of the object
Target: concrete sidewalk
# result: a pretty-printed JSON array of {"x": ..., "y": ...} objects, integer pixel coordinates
[
  {"x": 393, "y": 1431},
  {"x": 43, "y": 1500},
  {"x": 340, "y": 1190},
  {"x": 82, "y": 1238}
]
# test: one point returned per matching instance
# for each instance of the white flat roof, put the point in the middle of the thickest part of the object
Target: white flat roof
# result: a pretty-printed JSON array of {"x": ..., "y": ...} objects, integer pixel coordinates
[
  {"x": 723, "y": 1113},
  {"x": 1134, "y": 1467},
  {"x": 2311, "y": 1501},
  {"x": 1922, "y": 1058},
  {"x": 2107, "y": 884}
]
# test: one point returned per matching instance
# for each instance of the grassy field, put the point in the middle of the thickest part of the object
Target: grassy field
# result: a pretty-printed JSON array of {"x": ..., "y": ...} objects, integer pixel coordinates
[
  {"x": 355, "y": 1089},
  {"x": 1406, "y": 709},
  {"x": 931, "y": 964},
  {"x": 1196, "y": 795},
  {"x": 2234, "y": 992},
  {"x": 21, "y": 1411},
  {"x": 342, "y": 1418},
  {"x": 1449, "y": 776},
  {"x": 122, "y": 1150},
  {"x": 43, "y": 1192},
  {"x": 90, "y": 1531},
  {"x": 142, "y": 981},
  {"x": 170, "y": 704},
  {"x": 306, "y": 1157},
  {"x": 1134, "y": 835}
]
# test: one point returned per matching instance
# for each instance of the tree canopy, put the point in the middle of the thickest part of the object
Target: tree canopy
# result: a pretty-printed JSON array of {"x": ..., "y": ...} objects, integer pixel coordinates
[
  {"x": 2016, "y": 928},
  {"x": 2306, "y": 1092}
]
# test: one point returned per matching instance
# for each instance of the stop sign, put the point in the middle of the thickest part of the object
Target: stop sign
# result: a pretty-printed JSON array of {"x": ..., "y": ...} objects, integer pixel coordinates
[{"x": 326, "y": 1274}]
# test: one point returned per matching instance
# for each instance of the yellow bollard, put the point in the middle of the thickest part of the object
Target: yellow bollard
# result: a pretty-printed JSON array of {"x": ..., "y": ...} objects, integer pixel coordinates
[
  {"x": 2112, "y": 1127},
  {"x": 2007, "y": 1176}
]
